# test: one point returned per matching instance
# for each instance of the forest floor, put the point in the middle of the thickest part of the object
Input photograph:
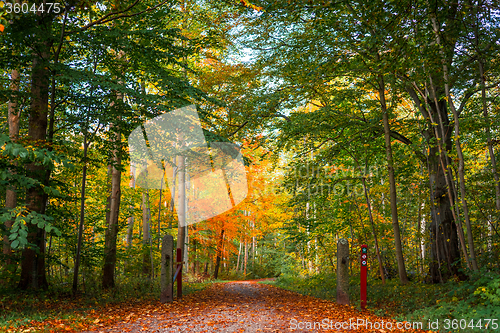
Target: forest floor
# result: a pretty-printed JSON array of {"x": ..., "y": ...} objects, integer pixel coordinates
[
  {"x": 242, "y": 306},
  {"x": 247, "y": 306}
]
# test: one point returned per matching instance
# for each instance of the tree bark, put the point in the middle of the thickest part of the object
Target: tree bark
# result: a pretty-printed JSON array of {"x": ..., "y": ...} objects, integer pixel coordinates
[
  {"x": 82, "y": 216},
  {"x": 181, "y": 204},
  {"x": 444, "y": 234},
  {"x": 461, "y": 174},
  {"x": 13, "y": 114},
  {"x": 33, "y": 259},
  {"x": 246, "y": 259},
  {"x": 146, "y": 237},
  {"x": 238, "y": 259},
  {"x": 130, "y": 222},
  {"x": 108, "y": 271}
]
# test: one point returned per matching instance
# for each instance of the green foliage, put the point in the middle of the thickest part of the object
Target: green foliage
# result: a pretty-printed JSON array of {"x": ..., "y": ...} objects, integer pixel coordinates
[
  {"x": 318, "y": 285},
  {"x": 22, "y": 218},
  {"x": 475, "y": 299}
]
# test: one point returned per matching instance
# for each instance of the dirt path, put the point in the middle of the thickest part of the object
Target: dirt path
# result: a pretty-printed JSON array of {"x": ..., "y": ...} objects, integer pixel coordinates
[{"x": 246, "y": 307}]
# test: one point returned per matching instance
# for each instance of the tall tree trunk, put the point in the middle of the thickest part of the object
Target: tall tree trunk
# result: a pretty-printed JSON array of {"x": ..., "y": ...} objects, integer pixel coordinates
[
  {"x": 130, "y": 222},
  {"x": 445, "y": 252},
  {"x": 458, "y": 146},
  {"x": 181, "y": 204},
  {"x": 246, "y": 259},
  {"x": 82, "y": 216},
  {"x": 146, "y": 236},
  {"x": 13, "y": 114},
  {"x": 194, "y": 254},
  {"x": 392, "y": 183},
  {"x": 108, "y": 271},
  {"x": 238, "y": 259},
  {"x": 33, "y": 259},
  {"x": 461, "y": 174}
]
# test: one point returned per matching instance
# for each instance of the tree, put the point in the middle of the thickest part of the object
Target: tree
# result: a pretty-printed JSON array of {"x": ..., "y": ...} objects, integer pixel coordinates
[{"x": 312, "y": 44}]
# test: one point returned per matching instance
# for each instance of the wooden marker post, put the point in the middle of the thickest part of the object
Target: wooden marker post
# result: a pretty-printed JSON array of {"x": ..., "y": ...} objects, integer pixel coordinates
[
  {"x": 364, "y": 263},
  {"x": 343, "y": 271},
  {"x": 167, "y": 266},
  {"x": 179, "y": 275}
]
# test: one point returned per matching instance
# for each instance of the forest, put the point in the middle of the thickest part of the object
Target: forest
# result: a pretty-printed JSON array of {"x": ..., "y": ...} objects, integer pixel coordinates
[{"x": 371, "y": 121}]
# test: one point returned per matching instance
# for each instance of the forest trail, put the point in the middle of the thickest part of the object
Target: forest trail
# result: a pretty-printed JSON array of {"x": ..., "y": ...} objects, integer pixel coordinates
[{"x": 246, "y": 306}]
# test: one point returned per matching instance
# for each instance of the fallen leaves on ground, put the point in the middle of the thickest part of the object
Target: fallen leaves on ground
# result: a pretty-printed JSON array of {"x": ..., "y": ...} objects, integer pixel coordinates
[{"x": 224, "y": 307}]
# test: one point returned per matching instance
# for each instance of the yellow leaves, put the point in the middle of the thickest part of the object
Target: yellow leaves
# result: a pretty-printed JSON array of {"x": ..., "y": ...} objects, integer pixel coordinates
[{"x": 250, "y": 5}]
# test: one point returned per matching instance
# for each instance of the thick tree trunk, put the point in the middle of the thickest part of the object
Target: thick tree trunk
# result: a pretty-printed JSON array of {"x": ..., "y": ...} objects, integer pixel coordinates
[
  {"x": 445, "y": 252},
  {"x": 13, "y": 115},
  {"x": 108, "y": 270},
  {"x": 33, "y": 260}
]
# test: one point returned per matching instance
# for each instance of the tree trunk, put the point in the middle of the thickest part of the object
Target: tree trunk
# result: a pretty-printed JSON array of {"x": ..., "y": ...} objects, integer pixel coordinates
[
  {"x": 218, "y": 253},
  {"x": 82, "y": 216},
  {"x": 445, "y": 252},
  {"x": 458, "y": 147},
  {"x": 461, "y": 173},
  {"x": 238, "y": 259},
  {"x": 130, "y": 222},
  {"x": 13, "y": 114},
  {"x": 181, "y": 205},
  {"x": 194, "y": 264},
  {"x": 392, "y": 183},
  {"x": 146, "y": 218},
  {"x": 108, "y": 271},
  {"x": 246, "y": 259},
  {"x": 33, "y": 260}
]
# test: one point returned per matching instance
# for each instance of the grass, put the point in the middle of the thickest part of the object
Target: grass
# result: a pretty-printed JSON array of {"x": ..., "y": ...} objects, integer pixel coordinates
[{"x": 448, "y": 303}]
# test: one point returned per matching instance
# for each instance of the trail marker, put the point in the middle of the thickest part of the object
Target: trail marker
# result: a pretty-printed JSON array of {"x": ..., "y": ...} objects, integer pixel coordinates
[{"x": 364, "y": 268}]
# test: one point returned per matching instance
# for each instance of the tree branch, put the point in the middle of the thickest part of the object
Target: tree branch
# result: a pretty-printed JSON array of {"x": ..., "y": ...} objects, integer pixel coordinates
[{"x": 120, "y": 14}]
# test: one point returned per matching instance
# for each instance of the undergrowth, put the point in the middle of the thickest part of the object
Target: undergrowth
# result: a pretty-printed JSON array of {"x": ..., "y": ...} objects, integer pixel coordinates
[{"x": 450, "y": 304}]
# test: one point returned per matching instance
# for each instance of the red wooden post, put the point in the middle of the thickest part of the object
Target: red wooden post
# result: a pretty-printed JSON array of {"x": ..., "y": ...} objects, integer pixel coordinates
[
  {"x": 364, "y": 262},
  {"x": 179, "y": 276}
]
